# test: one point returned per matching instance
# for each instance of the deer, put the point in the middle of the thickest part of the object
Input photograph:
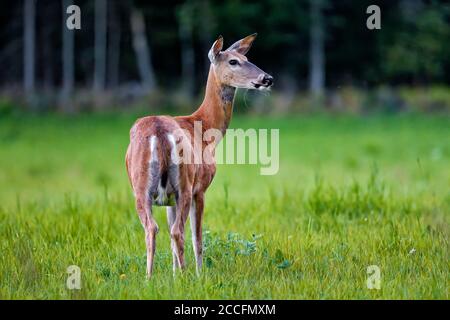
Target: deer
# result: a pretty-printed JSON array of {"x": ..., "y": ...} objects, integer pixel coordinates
[{"x": 157, "y": 176}]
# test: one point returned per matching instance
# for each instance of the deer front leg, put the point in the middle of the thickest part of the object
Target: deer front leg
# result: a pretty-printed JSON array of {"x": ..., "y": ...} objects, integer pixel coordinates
[
  {"x": 171, "y": 216},
  {"x": 196, "y": 216},
  {"x": 177, "y": 231}
]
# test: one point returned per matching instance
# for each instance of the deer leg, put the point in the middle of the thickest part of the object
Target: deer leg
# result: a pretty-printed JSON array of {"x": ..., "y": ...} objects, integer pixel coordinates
[
  {"x": 196, "y": 216},
  {"x": 177, "y": 231},
  {"x": 171, "y": 215},
  {"x": 144, "y": 209}
]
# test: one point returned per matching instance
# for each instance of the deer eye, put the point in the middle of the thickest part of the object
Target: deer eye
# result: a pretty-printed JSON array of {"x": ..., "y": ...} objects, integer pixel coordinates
[{"x": 233, "y": 62}]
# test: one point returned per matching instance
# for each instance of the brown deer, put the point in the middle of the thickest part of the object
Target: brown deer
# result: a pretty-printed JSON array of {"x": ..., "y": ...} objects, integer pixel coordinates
[{"x": 156, "y": 174}]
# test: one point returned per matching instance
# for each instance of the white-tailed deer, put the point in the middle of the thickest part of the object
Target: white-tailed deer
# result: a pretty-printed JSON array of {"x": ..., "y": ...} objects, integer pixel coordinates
[{"x": 156, "y": 174}]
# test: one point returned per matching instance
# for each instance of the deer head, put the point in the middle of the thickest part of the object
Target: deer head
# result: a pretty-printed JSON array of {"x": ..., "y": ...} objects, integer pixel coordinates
[{"x": 232, "y": 67}]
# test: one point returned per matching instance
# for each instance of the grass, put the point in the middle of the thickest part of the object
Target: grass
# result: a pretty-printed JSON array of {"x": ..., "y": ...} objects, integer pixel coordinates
[{"x": 351, "y": 192}]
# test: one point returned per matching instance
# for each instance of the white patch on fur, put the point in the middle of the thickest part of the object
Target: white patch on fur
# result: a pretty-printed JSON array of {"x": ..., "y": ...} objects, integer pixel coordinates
[
  {"x": 154, "y": 159},
  {"x": 175, "y": 161},
  {"x": 154, "y": 153},
  {"x": 162, "y": 195}
]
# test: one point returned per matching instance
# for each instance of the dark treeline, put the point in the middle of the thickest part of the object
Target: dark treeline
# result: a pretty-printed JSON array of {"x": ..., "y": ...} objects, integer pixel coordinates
[{"x": 136, "y": 48}]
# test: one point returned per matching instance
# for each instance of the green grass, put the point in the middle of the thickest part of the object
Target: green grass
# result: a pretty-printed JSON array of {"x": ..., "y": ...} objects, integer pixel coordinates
[{"x": 351, "y": 192}]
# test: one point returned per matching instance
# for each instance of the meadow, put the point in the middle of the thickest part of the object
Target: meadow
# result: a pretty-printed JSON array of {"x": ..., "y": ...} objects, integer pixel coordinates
[{"x": 351, "y": 192}]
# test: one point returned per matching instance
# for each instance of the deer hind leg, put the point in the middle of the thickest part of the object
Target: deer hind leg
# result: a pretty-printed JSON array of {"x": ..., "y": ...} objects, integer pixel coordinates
[
  {"x": 196, "y": 217},
  {"x": 177, "y": 230},
  {"x": 144, "y": 209},
  {"x": 171, "y": 215}
]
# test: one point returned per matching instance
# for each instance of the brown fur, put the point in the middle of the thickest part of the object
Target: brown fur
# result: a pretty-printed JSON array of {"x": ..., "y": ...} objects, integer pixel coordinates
[{"x": 193, "y": 179}]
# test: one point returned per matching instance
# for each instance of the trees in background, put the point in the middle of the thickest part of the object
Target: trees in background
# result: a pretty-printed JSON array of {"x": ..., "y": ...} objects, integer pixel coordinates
[
  {"x": 185, "y": 15},
  {"x": 100, "y": 45},
  {"x": 29, "y": 39},
  {"x": 164, "y": 44},
  {"x": 142, "y": 50},
  {"x": 114, "y": 36},
  {"x": 47, "y": 45},
  {"x": 317, "y": 48},
  {"x": 68, "y": 61},
  {"x": 417, "y": 51}
]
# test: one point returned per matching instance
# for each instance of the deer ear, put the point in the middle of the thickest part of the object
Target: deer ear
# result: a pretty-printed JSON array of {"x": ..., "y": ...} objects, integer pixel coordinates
[
  {"x": 242, "y": 46},
  {"x": 215, "y": 49}
]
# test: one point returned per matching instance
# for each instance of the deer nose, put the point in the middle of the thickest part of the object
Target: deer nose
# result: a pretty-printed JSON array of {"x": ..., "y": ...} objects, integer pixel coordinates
[{"x": 268, "y": 80}]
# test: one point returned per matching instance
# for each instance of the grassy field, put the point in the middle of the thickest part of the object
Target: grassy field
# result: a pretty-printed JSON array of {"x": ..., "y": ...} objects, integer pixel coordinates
[{"x": 351, "y": 192}]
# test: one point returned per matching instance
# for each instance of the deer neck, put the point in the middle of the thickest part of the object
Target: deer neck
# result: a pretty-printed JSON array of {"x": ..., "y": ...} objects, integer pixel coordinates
[{"x": 217, "y": 107}]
